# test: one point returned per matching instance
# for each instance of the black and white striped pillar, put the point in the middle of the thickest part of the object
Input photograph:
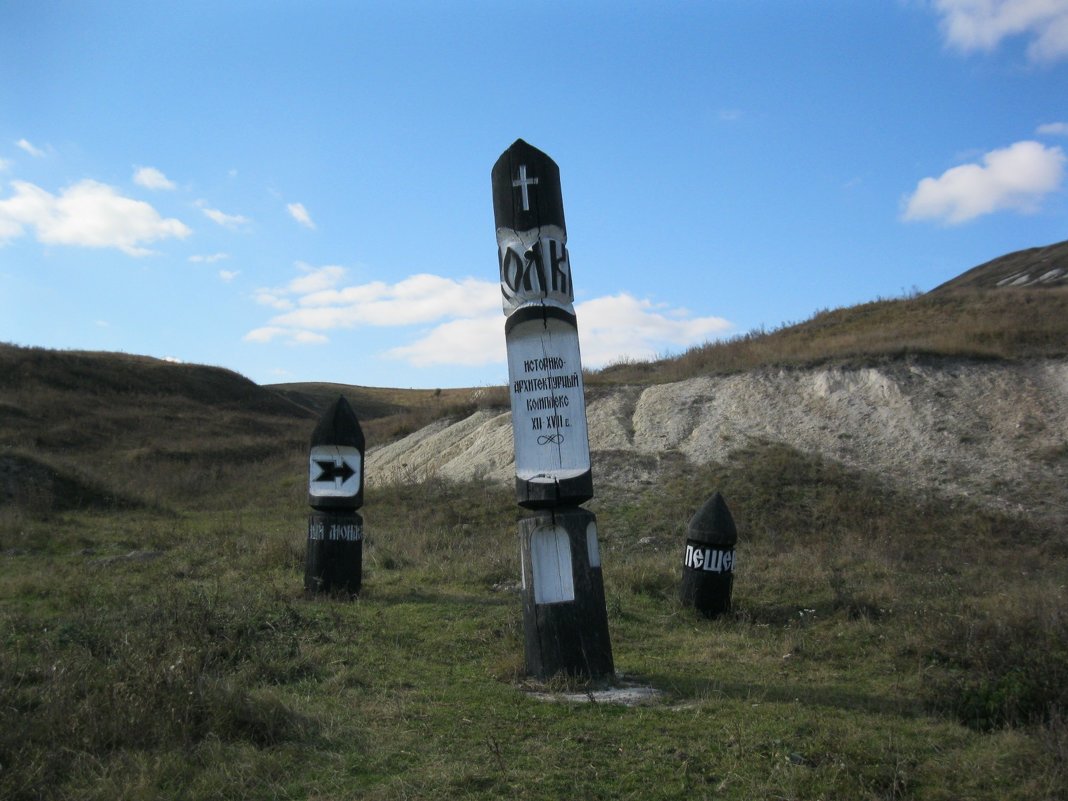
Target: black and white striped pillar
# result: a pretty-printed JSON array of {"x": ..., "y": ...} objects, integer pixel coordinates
[
  {"x": 564, "y": 616},
  {"x": 334, "y": 560}
]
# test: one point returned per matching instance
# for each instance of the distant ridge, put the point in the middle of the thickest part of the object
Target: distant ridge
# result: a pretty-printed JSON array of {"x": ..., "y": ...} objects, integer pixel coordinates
[
  {"x": 101, "y": 374},
  {"x": 1033, "y": 268}
]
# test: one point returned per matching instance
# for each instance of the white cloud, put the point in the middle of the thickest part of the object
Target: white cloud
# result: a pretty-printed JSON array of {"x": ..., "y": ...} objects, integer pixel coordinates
[
  {"x": 610, "y": 328},
  {"x": 265, "y": 297},
  {"x": 222, "y": 218},
  {"x": 1053, "y": 129},
  {"x": 315, "y": 279},
  {"x": 86, "y": 214},
  {"x": 209, "y": 258},
  {"x": 469, "y": 342},
  {"x": 265, "y": 334},
  {"x": 308, "y": 338},
  {"x": 300, "y": 214},
  {"x": 1016, "y": 177},
  {"x": 291, "y": 336},
  {"x": 622, "y": 326},
  {"x": 421, "y": 298},
  {"x": 467, "y": 327},
  {"x": 311, "y": 281},
  {"x": 24, "y": 145},
  {"x": 5, "y": 164},
  {"x": 151, "y": 178},
  {"x": 983, "y": 24},
  {"x": 229, "y": 275},
  {"x": 9, "y": 228}
]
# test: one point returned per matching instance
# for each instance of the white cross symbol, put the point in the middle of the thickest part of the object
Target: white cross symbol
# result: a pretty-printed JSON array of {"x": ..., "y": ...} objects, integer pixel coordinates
[{"x": 523, "y": 182}]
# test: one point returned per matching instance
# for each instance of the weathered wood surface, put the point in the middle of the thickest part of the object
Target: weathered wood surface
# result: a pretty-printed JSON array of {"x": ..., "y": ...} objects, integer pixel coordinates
[
  {"x": 565, "y": 622},
  {"x": 334, "y": 558}
]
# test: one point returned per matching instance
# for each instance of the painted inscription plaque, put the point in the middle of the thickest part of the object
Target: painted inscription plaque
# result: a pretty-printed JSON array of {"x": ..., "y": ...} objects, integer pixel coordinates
[{"x": 548, "y": 406}]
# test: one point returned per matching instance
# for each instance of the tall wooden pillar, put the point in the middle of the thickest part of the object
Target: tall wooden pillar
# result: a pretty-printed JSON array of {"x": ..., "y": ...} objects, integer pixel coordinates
[{"x": 564, "y": 615}]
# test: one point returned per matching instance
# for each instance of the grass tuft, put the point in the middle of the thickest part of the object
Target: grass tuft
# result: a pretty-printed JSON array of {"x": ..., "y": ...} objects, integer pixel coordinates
[{"x": 1006, "y": 662}]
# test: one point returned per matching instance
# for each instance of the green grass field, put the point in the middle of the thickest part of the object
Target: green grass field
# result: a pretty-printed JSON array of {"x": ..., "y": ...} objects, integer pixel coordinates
[{"x": 880, "y": 647}]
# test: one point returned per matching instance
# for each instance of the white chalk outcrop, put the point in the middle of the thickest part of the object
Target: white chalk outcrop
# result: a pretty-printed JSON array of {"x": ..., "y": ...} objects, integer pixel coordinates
[{"x": 992, "y": 431}]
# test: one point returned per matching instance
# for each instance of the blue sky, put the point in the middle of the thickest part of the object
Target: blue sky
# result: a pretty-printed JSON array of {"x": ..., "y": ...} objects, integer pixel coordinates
[{"x": 300, "y": 191}]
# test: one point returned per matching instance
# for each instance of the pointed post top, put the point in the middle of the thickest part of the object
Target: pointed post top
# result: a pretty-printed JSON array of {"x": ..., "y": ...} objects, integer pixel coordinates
[
  {"x": 526, "y": 189},
  {"x": 713, "y": 523},
  {"x": 338, "y": 426},
  {"x": 335, "y": 460}
]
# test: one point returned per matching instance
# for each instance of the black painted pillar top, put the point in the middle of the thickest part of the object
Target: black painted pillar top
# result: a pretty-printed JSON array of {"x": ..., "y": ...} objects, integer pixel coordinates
[
  {"x": 335, "y": 477},
  {"x": 713, "y": 523},
  {"x": 526, "y": 189}
]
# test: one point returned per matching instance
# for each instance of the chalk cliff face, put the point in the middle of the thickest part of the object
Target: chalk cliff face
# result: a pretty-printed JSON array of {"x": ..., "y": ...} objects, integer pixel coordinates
[{"x": 995, "y": 433}]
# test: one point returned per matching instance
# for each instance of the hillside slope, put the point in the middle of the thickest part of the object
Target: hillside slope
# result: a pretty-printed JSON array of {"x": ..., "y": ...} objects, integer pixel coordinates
[
  {"x": 1007, "y": 323},
  {"x": 80, "y": 429},
  {"x": 962, "y": 391},
  {"x": 993, "y": 432},
  {"x": 1033, "y": 267}
]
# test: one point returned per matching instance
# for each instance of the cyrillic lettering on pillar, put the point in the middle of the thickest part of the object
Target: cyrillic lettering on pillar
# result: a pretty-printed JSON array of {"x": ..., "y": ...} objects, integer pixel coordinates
[
  {"x": 534, "y": 267},
  {"x": 547, "y": 398}
]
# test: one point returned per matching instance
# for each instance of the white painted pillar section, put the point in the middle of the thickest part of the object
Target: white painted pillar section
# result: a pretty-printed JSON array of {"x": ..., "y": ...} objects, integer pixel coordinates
[
  {"x": 552, "y": 573},
  {"x": 548, "y": 401},
  {"x": 592, "y": 549}
]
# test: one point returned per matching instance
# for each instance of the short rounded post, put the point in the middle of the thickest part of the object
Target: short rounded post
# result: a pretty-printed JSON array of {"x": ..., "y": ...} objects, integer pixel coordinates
[
  {"x": 334, "y": 558},
  {"x": 709, "y": 559}
]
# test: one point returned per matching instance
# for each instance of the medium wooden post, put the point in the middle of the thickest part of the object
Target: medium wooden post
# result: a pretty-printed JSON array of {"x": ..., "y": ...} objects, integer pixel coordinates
[
  {"x": 334, "y": 561},
  {"x": 564, "y": 616},
  {"x": 708, "y": 563},
  {"x": 565, "y": 620}
]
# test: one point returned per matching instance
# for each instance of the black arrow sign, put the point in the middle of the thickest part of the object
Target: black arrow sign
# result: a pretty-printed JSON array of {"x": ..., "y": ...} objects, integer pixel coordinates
[{"x": 330, "y": 470}]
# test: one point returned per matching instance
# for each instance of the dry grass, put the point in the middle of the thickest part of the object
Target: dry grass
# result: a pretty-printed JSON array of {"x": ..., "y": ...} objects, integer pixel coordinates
[{"x": 1003, "y": 324}]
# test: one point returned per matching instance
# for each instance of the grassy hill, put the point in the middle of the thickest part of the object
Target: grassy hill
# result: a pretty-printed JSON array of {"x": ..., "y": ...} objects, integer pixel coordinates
[
  {"x": 155, "y": 641},
  {"x": 1033, "y": 267},
  {"x": 95, "y": 429},
  {"x": 1010, "y": 323}
]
